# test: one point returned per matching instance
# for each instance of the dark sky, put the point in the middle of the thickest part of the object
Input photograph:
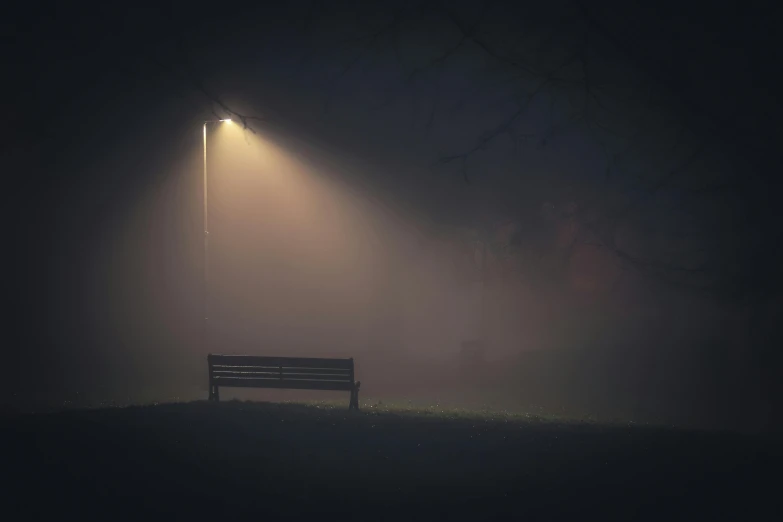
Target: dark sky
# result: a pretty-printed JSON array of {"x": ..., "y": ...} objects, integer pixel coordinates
[{"x": 101, "y": 104}]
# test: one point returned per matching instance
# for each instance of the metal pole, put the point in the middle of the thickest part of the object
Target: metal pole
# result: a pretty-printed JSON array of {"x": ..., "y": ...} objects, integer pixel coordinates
[{"x": 206, "y": 250}]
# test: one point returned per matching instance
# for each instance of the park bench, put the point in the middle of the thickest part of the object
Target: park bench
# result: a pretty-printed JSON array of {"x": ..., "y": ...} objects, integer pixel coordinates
[{"x": 297, "y": 373}]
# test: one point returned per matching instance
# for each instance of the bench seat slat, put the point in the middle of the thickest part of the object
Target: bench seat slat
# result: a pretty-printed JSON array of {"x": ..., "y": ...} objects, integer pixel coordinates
[
  {"x": 294, "y": 362},
  {"x": 297, "y": 384},
  {"x": 291, "y": 374},
  {"x": 286, "y": 369}
]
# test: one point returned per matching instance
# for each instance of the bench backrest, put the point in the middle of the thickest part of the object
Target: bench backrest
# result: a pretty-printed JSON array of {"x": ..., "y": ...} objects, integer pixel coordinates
[{"x": 280, "y": 372}]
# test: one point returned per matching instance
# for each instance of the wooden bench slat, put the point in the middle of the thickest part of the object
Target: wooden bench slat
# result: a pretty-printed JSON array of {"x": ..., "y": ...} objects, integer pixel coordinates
[
  {"x": 294, "y": 362},
  {"x": 286, "y": 369},
  {"x": 294, "y": 384},
  {"x": 306, "y": 376},
  {"x": 278, "y": 374}
]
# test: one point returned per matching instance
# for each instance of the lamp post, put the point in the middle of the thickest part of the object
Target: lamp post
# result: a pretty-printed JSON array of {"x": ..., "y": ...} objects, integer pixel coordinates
[{"x": 206, "y": 238}]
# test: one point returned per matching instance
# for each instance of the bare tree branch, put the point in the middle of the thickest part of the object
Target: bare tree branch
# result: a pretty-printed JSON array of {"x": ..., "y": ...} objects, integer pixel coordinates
[{"x": 505, "y": 126}]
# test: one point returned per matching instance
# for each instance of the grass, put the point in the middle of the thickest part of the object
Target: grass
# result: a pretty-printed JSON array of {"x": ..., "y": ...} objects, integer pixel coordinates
[
  {"x": 391, "y": 461},
  {"x": 413, "y": 410},
  {"x": 410, "y": 410}
]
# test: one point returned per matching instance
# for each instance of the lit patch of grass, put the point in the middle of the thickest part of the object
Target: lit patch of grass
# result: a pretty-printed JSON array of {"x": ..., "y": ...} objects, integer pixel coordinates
[{"x": 436, "y": 411}]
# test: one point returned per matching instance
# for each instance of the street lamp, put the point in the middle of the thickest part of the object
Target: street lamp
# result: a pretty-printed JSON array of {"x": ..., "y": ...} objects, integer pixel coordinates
[{"x": 206, "y": 235}]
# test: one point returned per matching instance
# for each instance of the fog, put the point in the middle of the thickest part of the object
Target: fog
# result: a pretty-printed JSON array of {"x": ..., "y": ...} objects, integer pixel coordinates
[
  {"x": 336, "y": 232},
  {"x": 304, "y": 260}
]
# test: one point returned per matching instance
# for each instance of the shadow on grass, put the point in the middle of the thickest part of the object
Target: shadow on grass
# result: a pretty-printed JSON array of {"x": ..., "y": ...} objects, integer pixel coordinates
[{"x": 391, "y": 462}]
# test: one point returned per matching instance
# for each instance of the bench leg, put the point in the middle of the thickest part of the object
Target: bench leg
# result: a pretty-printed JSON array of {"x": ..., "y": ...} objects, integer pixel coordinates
[
  {"x": 354, "y": 404},
  {"x": 214, "y": 394}
]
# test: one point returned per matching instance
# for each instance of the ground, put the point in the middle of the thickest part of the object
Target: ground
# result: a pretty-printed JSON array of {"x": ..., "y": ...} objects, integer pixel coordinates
[{"x": 278, "y": 461}]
